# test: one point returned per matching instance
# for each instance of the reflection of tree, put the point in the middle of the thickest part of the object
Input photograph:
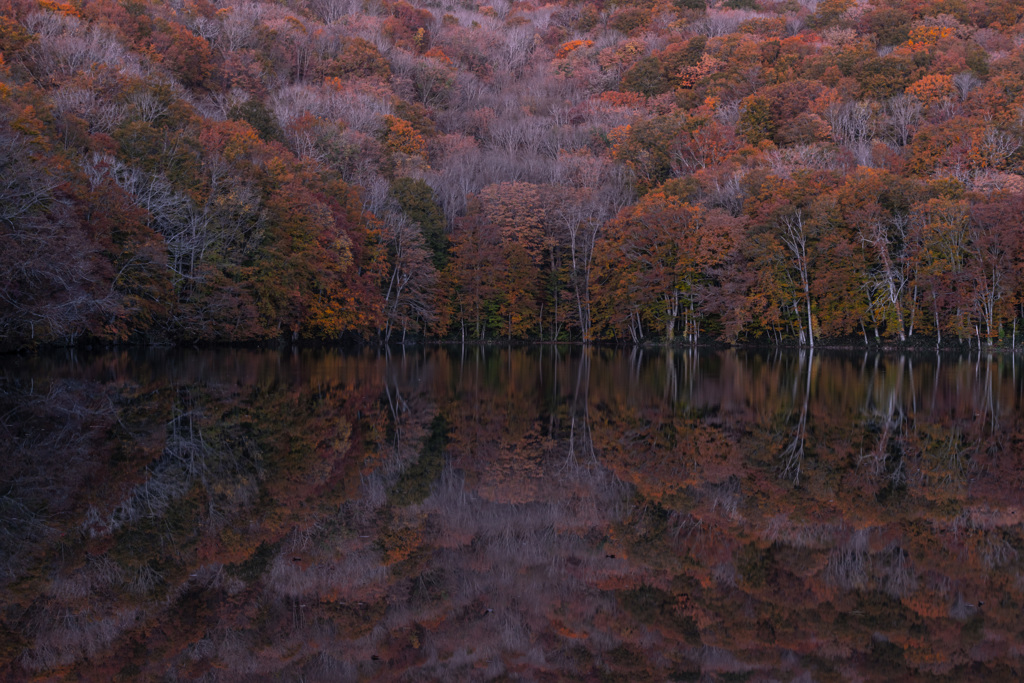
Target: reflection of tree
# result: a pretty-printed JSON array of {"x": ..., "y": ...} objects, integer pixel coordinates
[
  {"x": 887, "y": 418},
  {"x": 52, "y": 431},
  {"x": 576, "y": 514},
  {"x": 848, "y": 565},
  {"x": 226, "y": 468},
  {"x": 579, "y": 412},
  {"x": 793, "y": 454},
  {"x": 898, "y": 577}
]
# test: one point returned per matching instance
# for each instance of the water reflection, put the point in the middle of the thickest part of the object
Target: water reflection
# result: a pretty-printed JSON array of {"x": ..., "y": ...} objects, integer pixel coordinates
[{"x": 474, "y": 513}]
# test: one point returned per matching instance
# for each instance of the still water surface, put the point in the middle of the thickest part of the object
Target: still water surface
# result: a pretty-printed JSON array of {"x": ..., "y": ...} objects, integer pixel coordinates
[{"x": 527, "y": 514}]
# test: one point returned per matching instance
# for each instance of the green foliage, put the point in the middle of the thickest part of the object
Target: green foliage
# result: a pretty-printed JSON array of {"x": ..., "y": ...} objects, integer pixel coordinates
[
  {"x": 884, "y": 77},
  {"x": 414, "y": 484},
  {"x": 691, "y": 5},
  {"x": 647, "y": 149},
  {"x": 685, "y": 189},
  {"x": 255, "y": 113},
  {"x": 756, "y": 121},
  {"x": 158, "y": 150},
  {"x": 977, "y": 59},
  {"x": 955, "y": 8},
  {"x": 417, "y": 201},
  {"x": 645, "y": 77},
  {"x": 756, "y": 565},
  {"x": 830, "y": 13},
  {"x": 255, "y": 566},
  {"x": 891, "y": 25},
  {"x": 651, "y": 605},
  {"x": 630, "y": 19}
]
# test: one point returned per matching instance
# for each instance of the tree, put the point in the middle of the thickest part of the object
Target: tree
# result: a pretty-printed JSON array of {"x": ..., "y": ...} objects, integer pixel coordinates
[
  {"x": 656, "y": 264},
  {"x": 994, "y": 268},
  {"x": 410, "y": 291},
  {"x": 187, "y": 54},
  {"x": 645, "y": 77},
  {"x": 359, "y": 58},
  {"x": 941, "y": 241},
  {"x": 705, "y": 146},
  {"x": 645, "y": 148},
  {"x": 255, "y": 113},
  {"x": 581, "y": 215},
  {"x": 416, "y": 199},
  {"x": 517, "y": 213},
  {"x": 903, "y": 113},
  {"x": 887, "y": 241},
  {"x": 55, "y": 279},
  {"x": 756, "y": 121},
  {"x": 794, "y": 235},
  {"x": 475, "y": 268}
]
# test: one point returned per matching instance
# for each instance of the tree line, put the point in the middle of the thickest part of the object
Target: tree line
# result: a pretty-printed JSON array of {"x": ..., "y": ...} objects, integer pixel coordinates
[{"x": 757, "y": 172}]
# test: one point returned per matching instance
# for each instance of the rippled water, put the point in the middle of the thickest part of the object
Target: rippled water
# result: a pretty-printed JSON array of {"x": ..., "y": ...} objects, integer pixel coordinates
[{"x": 526, "y": 514}]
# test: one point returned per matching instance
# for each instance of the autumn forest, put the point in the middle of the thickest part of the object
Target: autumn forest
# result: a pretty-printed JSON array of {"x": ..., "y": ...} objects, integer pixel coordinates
[{"x": 746, "y": 171}]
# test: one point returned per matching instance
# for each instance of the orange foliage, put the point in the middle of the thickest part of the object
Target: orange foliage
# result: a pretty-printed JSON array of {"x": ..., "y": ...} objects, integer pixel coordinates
[
  {"x": 565, "y": 48},
  {"x": 438, "y": 54},
  {"x": 400, "y": 136},
  {"x": 924, "y": 37},
  {"x": 622, "y": 99},
  {"x": 692, "y": 75},
  {"x": 932, "y": 88},
  {"x": 60, "y": 8}
]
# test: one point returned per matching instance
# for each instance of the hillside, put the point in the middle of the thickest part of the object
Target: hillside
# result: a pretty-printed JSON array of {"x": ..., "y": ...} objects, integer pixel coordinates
[{"x": 744, "y": 171}]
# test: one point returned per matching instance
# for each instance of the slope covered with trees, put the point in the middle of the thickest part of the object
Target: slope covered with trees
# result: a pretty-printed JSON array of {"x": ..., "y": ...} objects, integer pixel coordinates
[{"x": 744, "y": 170}]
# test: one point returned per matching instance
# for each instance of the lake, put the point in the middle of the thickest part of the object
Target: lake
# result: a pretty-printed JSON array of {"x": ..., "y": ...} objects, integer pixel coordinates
[{"x": 484, "y": 513}]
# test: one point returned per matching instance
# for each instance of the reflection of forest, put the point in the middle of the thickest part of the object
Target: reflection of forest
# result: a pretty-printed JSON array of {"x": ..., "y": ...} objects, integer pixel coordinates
[{"x": 471, "y": 514}]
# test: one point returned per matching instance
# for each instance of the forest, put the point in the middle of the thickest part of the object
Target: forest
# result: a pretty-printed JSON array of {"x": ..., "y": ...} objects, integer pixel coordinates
[{"x": 748, "y": 171}]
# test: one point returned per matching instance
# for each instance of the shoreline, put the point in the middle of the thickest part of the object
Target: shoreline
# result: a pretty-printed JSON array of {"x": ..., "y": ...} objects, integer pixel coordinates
[{"x": 268, "y": 345}]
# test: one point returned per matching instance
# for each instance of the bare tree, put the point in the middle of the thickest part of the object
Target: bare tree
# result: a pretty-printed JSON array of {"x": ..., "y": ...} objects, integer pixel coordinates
[
  {"x": 67, "y": 46},
  {"x": 49, "y": 286},
  {"x": 903, "y": 113},
  {"x": 333, "y": 11},
  {"x": 887, "y": 241},
  {"x": 515, "y": 50},
  {"x": 853, "y": 125},
  {"x": 409, "y": 292},
  {"x": 965, "y": 82},
  {"x": 102, "y": 116},
  {"x": 460, "y": 175},
  {"x": 794, "y": 236},
  {"x": 998, "y": 146}
]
